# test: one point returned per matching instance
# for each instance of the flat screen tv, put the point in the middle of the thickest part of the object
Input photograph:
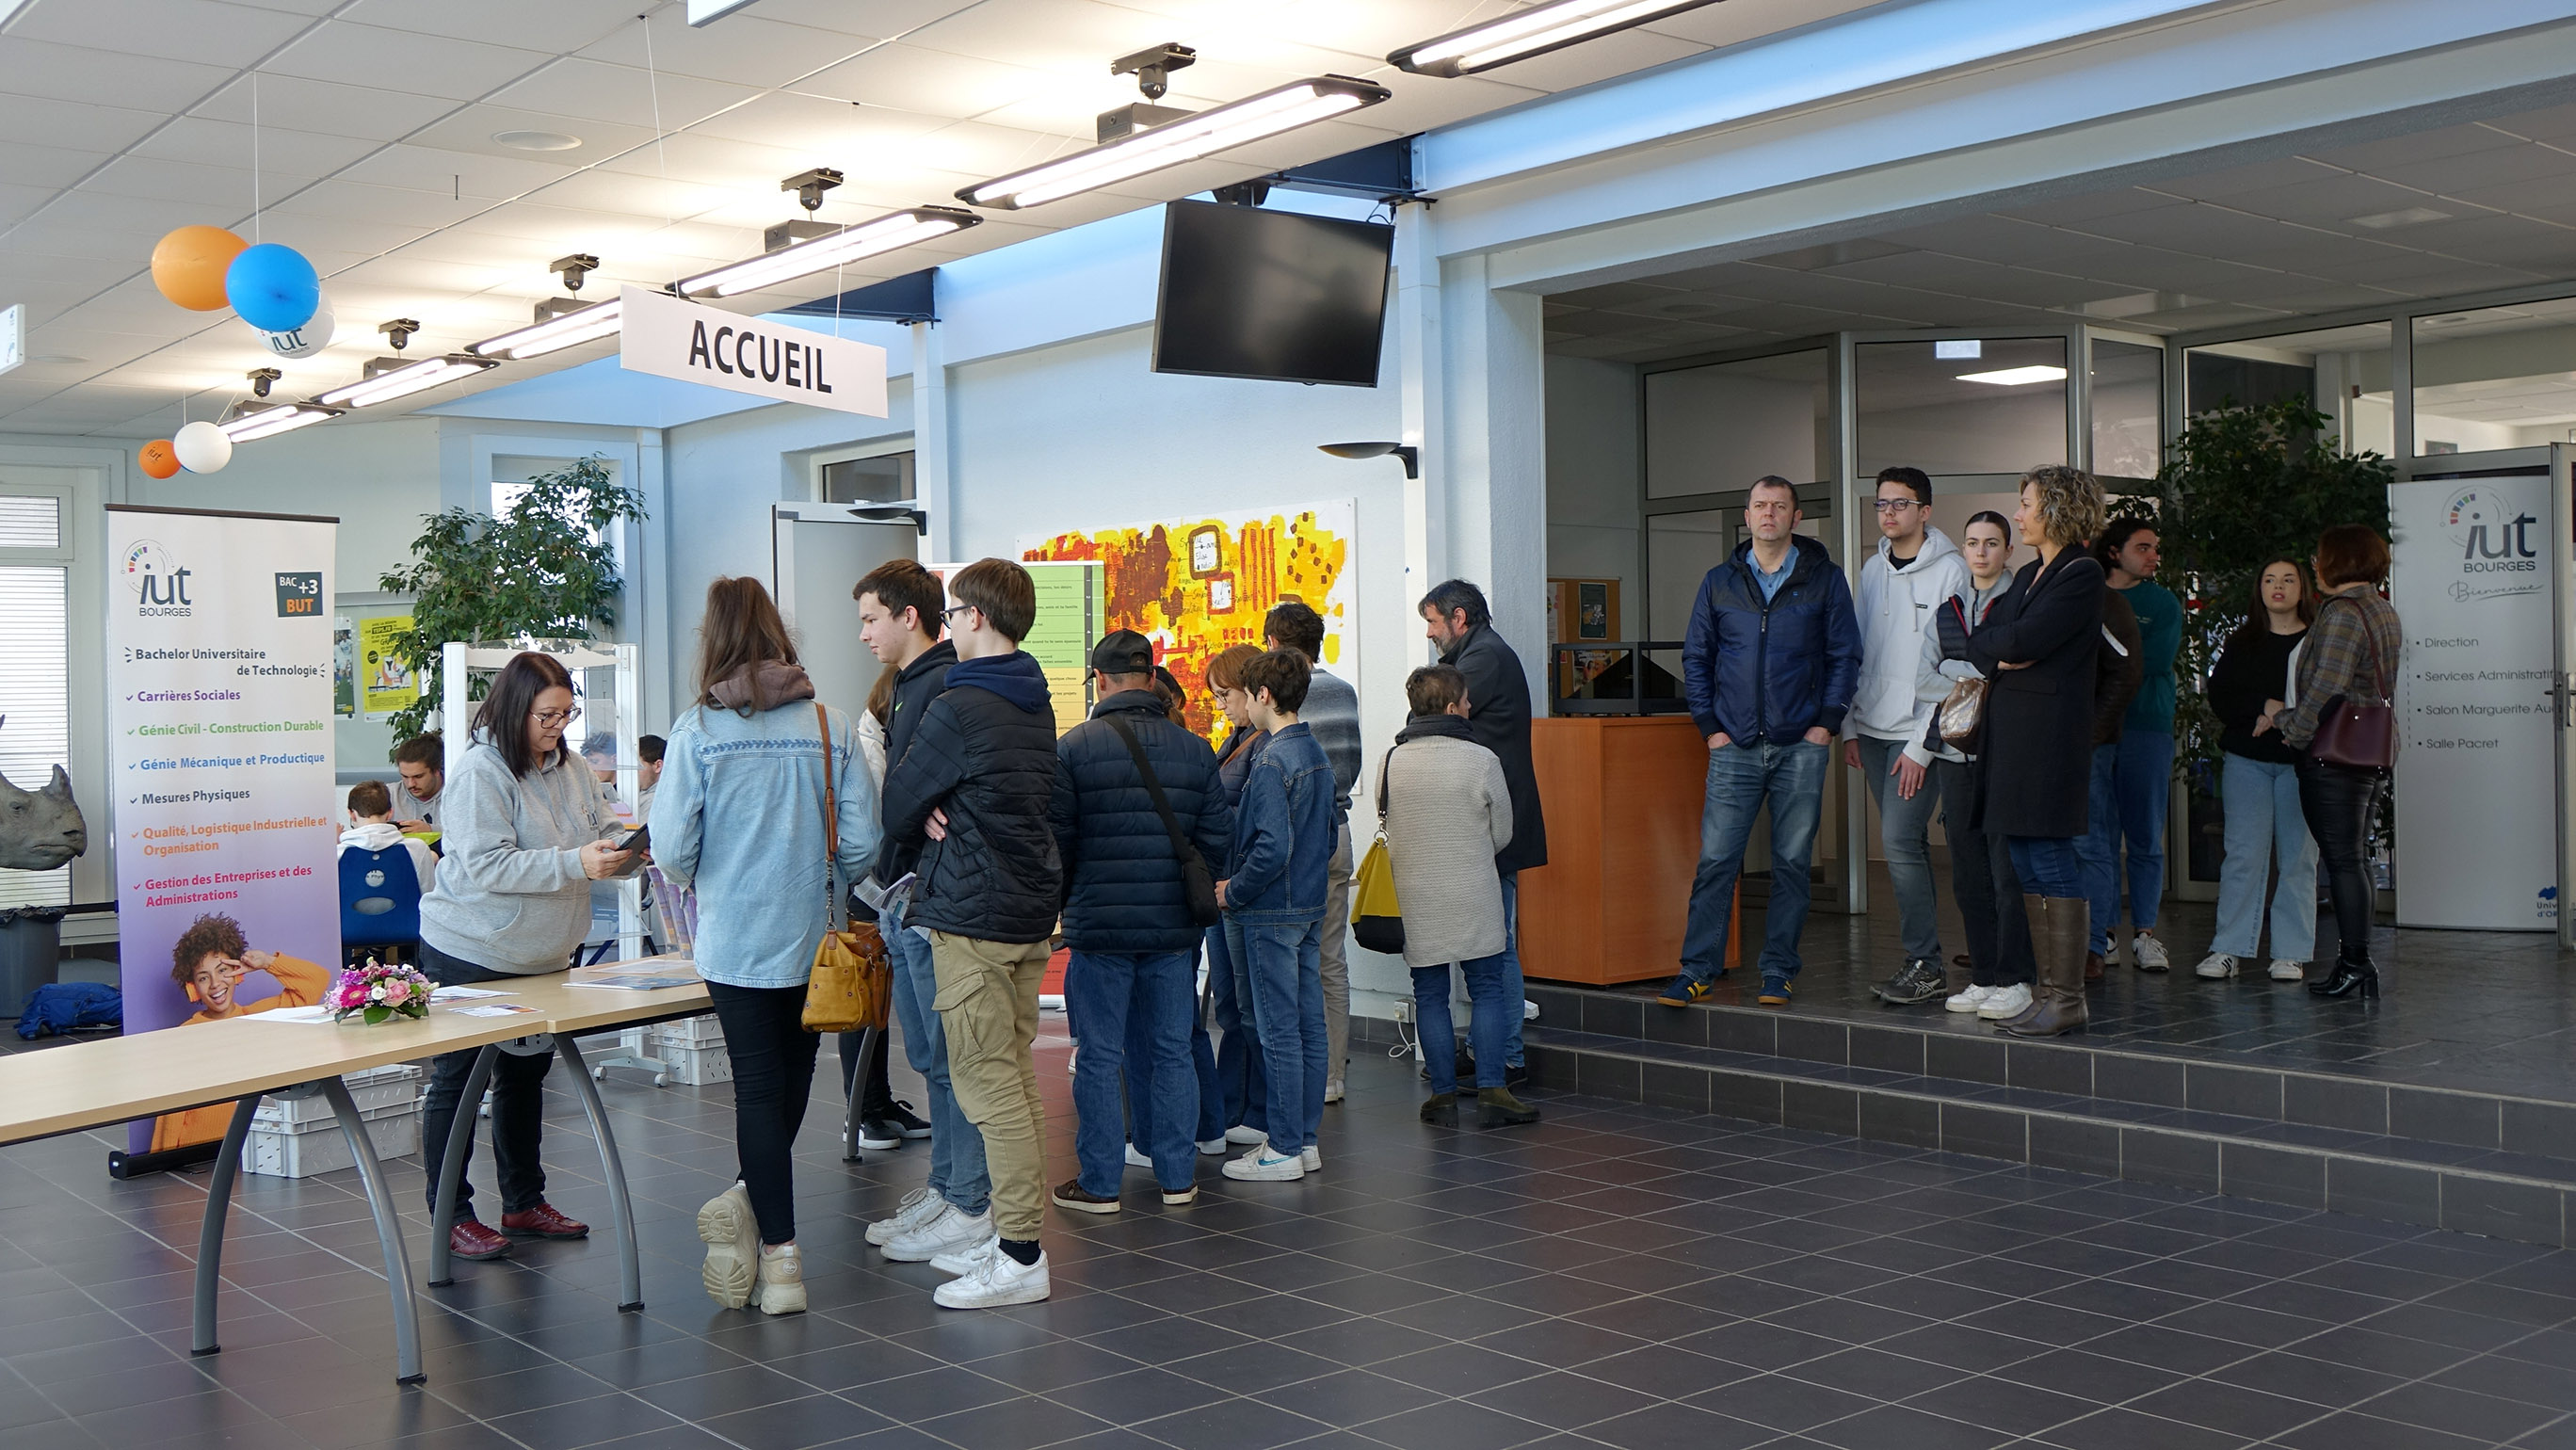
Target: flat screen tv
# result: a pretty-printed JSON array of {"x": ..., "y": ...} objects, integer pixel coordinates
[{"x": 1249, "y": 293}]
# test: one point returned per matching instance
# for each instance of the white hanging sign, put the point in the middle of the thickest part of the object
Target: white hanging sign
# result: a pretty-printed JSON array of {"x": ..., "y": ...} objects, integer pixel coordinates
[{"x": 671, "y": 337}]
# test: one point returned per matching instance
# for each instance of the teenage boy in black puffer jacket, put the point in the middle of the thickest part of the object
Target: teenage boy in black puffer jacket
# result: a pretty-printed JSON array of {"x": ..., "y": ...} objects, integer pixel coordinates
[{"x": 971, "y": 793}]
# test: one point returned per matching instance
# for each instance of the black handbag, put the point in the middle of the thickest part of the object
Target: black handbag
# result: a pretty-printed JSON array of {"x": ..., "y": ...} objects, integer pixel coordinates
[
  {"x": 1197, "y": 881},
  {"x": 2360, "y": 734}
]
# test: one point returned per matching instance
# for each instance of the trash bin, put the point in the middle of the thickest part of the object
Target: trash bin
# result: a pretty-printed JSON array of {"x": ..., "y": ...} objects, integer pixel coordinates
[{"x": 31, "y": 953}]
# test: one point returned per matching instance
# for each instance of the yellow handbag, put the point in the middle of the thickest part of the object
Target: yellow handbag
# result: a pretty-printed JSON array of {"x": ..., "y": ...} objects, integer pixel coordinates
[
  {"x": 853, "y": 981},
  {"x": 1377, "y": 923}
]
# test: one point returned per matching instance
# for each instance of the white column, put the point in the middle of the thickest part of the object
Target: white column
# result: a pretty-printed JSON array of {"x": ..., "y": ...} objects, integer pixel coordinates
[
  {"x": 933, "y": 484},
  {"x": 1493, "y": 481},
  {"x": 1417, "y": 321}
]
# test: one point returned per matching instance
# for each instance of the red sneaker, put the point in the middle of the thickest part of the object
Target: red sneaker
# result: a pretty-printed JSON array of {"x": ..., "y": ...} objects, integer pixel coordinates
[
  {"x": 469, "y": 1239},
  {"x": 542, "y": 1222}
]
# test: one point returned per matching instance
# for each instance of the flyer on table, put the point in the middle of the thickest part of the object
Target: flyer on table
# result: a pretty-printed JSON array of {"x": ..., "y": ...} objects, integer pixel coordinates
[{"x": 220, "y": 644}]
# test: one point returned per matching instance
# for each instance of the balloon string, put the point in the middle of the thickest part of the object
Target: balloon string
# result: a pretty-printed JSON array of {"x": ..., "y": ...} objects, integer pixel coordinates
[
  {"x": 254, "y": 156},
  {"x": 661, "y": 148}
]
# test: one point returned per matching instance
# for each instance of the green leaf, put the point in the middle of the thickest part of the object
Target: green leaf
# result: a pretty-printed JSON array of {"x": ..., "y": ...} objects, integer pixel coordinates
[{"x": 376, "y": 1015}]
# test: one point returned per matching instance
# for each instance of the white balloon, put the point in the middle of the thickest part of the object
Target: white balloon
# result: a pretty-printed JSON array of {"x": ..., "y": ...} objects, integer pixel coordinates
[
  {"x": 307, "y": 340},
  {"x": 202, "y": 447}
]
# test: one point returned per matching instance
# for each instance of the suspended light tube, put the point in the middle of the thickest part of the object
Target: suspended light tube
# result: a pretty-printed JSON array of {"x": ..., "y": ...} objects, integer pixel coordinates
[
  {"x": 600, "y": 319},
  {"x": 269, "y": 422},
  {"x": 1301, "y": 103},
  {"x": 402, "y": 382},
  {"x": 867, "y": 239},
  {"x": 1534, "y": 31}
]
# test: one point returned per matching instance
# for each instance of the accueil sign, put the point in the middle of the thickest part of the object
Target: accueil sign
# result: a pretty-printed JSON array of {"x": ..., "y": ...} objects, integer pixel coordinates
[{"x": 671, "y": 337}]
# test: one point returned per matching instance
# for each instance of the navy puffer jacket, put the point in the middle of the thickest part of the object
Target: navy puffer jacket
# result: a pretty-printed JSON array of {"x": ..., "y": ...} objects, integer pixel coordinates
[
  {"x": 1123, "y": 889},
  {"x": 984, "y": 752},
  {"x": 1772, "y": 670}
]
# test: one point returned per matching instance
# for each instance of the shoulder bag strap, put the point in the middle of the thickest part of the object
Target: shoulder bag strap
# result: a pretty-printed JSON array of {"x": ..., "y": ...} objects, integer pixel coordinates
[
  {"x": 1182, "y": 850},
  {"x": 1381, "y": 788},
  {"x": 2370, "y": 637},
  {"x": 833, "y": 907}
]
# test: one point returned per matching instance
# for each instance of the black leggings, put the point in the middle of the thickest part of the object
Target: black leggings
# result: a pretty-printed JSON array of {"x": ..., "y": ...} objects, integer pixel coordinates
[
  {"x": 773, "y": 1075},
  {"x": 2339, "y": 804},
  {"x": 518, "y": 1105}
]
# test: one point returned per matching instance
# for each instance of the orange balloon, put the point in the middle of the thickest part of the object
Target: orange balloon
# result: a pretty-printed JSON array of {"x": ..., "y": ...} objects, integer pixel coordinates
[
  {"x": 189, "y": 264},
  {"x": 160, "y": 460}
]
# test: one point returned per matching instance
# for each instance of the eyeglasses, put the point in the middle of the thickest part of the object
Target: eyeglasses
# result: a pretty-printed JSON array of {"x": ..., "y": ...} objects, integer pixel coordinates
[
  {"x": 552, "y": 718},
  {"x": 1893, "y": 505},
  {"x": 950, "y": 614}
]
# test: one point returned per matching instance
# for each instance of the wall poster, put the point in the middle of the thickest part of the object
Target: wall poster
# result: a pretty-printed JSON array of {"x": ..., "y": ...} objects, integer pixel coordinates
[{"x": 386, "y": 682}]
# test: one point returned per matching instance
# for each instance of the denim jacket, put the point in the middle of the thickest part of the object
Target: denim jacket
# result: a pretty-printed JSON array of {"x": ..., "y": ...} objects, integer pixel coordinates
[
  {"x": 739, "y": 815},
  {"x": 1284, "y": 832}
]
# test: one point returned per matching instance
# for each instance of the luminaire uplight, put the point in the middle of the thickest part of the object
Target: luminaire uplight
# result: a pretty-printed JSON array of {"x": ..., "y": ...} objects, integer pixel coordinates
[
  {"x": 600, "y": 319},
  {"x": 867, "y": 239},
  {"x": 269, "y": 422},
  {"x": 402, "y": 382},
  {"x": 1300, "y": 103},
  {"x": 2016, "y": 377},
  {"x": 1534, "y": 31}
]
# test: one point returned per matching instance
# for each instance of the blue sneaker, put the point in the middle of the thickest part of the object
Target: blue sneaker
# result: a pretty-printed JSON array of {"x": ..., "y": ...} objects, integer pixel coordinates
[
  {"x": 1685, "y": 990},
  {"x": 1775, "y": 992}
]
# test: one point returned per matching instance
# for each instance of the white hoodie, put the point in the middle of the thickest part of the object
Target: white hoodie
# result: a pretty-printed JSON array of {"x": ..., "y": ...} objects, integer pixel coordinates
[
  {"x": 1897, "y": 695},
  {"x": 377, "y": 835}
]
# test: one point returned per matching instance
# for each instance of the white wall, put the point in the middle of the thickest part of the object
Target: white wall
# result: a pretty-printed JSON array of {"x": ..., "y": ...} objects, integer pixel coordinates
[{"x": 1592, "y": 474}]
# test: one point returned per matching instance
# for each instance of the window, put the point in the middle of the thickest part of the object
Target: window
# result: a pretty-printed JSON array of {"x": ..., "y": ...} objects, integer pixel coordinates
[
  {"x": 2497, "y": 377},
  {"x": 886, "y": 478},
  {"x": 1714, "y": 428},
  {"x": 2343, "y": 371},
  {"x": 1966, "y": 406},
  {"x": 35, "y": 666},
  {"x": 2128, "y": 409}
]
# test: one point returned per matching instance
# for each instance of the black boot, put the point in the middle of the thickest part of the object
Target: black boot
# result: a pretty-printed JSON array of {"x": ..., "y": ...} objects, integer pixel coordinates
[
  {"x": 1497, "y": 1108},
  {"x": 2348, "y": 978}
]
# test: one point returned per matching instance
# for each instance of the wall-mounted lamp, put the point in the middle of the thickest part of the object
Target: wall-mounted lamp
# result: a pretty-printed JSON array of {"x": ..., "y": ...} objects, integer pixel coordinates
[
  {"x": 1405, "y": 453},
  {"x": 893, "y": 513}
]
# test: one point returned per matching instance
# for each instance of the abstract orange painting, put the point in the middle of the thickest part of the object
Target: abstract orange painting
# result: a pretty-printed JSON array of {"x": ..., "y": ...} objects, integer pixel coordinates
[{"x": 1195, "y": 587}]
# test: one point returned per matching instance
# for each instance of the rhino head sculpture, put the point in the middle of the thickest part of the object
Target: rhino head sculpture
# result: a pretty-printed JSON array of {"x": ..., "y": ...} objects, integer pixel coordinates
[{"x": 40, "y": 830}]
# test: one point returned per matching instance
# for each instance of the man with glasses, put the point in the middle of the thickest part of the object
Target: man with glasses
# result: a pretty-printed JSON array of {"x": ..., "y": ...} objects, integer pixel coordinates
[
  {"x": 1768, "y": 667},
  {"x": 1915, "y": 571}
]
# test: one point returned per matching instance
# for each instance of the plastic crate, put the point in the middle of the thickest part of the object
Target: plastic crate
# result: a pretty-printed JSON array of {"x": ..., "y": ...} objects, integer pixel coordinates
[
  {"x": 700, "y": 1031},
  {"x": 696, "y": 1066},
  {"x": 303, "y": 1150},
  {"x": 376, "y": 1089}
]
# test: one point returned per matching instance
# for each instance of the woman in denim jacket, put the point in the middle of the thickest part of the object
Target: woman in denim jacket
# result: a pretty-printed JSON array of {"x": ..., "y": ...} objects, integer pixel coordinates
[{"x": 740, "y": 813}]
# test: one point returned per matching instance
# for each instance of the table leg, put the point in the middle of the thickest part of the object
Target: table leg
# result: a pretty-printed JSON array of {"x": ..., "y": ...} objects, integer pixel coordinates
[
  {"x": 380, "y": 1197},
  {"x": 451, "y": 1169},
  {"x": 210, "y": 1233},
  {"x": 630, "y": 1272},
  {"x": 858, "y": 1089}
]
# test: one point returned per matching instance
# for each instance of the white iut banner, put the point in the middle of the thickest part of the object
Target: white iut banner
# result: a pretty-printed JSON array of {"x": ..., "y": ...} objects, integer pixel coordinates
[
  {"x": 219, "y": 634},
  {"x": 2477, "y": 835}
]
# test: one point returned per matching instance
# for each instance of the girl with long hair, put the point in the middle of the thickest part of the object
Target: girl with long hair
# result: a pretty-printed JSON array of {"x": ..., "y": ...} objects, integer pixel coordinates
[{"x": 2258, "y": 783}]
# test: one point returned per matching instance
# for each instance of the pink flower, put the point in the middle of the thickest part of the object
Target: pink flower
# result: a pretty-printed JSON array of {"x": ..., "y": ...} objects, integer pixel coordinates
[{"x": 397, "y": 992}]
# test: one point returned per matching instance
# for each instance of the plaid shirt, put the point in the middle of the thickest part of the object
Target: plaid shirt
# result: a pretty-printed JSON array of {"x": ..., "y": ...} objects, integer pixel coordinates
[{"x": 2335, "y": 660}]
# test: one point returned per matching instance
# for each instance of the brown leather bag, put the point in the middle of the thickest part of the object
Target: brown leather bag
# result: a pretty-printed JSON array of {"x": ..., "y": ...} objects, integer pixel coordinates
[
  {"x": 2359, "y": 734},
  {"x": 853, "y": 982}
]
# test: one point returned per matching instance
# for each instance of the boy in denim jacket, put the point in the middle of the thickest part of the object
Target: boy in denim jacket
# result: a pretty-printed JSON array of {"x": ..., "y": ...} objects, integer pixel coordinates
[{"x": 1284, "y": 830}]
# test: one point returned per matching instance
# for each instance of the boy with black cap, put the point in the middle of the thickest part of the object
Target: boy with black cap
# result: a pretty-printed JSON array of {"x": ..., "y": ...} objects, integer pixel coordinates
[{"x": 1135, "y": 794}]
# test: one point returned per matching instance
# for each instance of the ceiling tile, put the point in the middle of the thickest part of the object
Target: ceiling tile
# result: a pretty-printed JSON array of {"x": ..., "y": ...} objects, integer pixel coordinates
[
  {"x": 744, "y": 48},
  {"x": 553, "y": 26},
  {"x": 405, "y": 61},
  {"x": 325, "y": 106},
  {"x": 477, "y": 129},
  {"x": 1063, "y": 37},
  {"x": 30, "y": 67},
  {"x": 47, "y": 168},
  {"x": 202, "y": 141},
  {"x": 224, "y": 192},
  {"x": 877, "y": 18},
  {"x": 199, "y": 31},
  {"x": 590, "y": 90},
  {"x": 2378, "y": 157},
  {"x": 433, "y": 170},
  {"x": 929, "y": 82}
]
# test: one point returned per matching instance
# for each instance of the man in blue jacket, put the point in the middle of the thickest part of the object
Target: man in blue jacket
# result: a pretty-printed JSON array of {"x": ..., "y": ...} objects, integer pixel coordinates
[
  {"x": 1128, "y": 920},
  {"x": 1769, "y": 666}
]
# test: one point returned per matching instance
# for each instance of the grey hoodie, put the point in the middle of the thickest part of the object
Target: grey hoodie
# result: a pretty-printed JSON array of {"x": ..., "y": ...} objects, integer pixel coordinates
[
  {"x": 1896, "y": 695},
  {"x": 511, "y": 896}
]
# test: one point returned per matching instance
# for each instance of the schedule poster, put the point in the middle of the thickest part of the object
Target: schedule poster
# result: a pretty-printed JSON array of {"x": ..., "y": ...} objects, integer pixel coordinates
[{"x": 220, "y": 638}]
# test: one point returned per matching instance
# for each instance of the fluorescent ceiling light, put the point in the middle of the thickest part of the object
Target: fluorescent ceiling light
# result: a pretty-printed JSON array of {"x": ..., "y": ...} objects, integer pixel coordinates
[
  {"x": 269, "y": 422},
  {"x": 1300, "y": 103},
  {"x": 1534, "y": 31},
  {"x": 2413, "y": 216},
  {"x": 2015, "y": 377},
  {"x": 700, "y": 11},
  {"x": 1972, "y": 348},
  {"x": 598, "y": 320},
  {"x": 867, "y": 239},
  {"x": 402, "y": 382}
]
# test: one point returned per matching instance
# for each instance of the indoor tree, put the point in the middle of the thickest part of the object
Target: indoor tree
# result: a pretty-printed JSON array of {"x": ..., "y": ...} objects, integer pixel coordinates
[{"x": 544, "y": 568}]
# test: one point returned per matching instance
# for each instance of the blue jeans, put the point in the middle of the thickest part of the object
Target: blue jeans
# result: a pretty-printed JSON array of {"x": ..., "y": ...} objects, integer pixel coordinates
[
  {"x": 1495, "y": 1009},
  {"x": 1515, "y": 988},
  {"x": 1143, "y": 1000},
  {"x": 1904, "y": 828},
  {"x": 957, "y": 1171},
  {"x": 2048, "y": 866},
  {"x": 1285, "y": 964},
  {"x": 2132, "y": 779},
  {"x": 2264, "y": 821},
  {"x": 1238, "y": 1051},
  {"x": 1210, "y": 1122},
  {"x": 1740, "y": 778}
]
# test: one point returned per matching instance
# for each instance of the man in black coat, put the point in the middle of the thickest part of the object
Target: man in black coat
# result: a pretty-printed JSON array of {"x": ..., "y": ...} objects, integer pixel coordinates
[
  {"x": 1461, "y": 627},
  {"x": 1127, "y": 916}
]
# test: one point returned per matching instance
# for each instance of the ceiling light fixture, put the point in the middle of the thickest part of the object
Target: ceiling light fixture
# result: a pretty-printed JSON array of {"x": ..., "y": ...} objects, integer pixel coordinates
[
  {"x": 2413, "y": 216},
  {"x": 588, "y": 324},
  {"x": 536, "y": 140},
  {"x": 404, "y": 381},
  {"x": 1530, "y": 32},
  {"x": 2016, "y": 377},
  {"x": 261, "y": 423},
  {"x": 1284, "y": 108},
  {"x": 867, "y": 239},
  {"x": 1404, "y": 453}
]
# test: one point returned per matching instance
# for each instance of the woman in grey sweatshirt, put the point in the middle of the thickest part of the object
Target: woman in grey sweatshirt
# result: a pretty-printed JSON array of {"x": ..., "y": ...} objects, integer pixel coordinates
[{"x": 523, "y": 827}]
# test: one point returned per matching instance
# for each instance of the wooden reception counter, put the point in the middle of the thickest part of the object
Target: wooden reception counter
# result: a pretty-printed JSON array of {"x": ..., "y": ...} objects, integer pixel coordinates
[{"x": 1623, "y": 795}]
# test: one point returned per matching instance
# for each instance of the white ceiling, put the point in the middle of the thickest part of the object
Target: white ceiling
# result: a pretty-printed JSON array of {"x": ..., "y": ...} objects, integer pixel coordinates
[
  {"x": 373, "y": 148},
  {"x": 2146, "y": 257}
]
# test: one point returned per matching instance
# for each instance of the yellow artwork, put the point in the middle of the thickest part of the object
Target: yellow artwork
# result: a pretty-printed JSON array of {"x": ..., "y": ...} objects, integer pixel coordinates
[{"x": 1196, "y": 587}]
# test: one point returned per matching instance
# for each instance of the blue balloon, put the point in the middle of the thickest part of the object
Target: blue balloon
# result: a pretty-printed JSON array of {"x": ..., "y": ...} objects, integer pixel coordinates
[{"x": 273, "y": 287}]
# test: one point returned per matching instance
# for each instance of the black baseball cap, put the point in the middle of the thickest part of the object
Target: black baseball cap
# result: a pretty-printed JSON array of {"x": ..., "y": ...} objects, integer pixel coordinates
[{"x": 1123, "y": 652}]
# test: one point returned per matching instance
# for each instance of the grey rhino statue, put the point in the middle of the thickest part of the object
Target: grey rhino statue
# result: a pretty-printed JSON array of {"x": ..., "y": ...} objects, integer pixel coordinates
[{"x": 40, "y": 829}]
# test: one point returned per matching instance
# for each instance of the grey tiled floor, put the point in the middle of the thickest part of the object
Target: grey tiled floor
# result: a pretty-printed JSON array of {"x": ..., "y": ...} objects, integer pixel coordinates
[{"x": 1616, "y": 1277}]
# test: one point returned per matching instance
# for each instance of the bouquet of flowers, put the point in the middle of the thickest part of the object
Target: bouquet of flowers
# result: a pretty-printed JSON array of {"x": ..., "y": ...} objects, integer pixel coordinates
[{"x": 379, "y": 993}]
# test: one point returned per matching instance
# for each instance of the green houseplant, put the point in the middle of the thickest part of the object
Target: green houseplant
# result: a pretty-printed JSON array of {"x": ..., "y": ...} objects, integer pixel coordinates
[{"x": 544, "y": 567}]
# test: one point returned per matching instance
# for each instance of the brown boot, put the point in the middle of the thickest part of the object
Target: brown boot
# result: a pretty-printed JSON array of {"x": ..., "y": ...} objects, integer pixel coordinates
[
  {"x": 2035, "y": 909},
  {"x": 2092, "y": 967},
  {"x": 2059, "y": 946}
]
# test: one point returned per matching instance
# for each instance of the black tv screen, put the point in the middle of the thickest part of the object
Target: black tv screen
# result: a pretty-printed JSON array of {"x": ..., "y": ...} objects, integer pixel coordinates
[{"x": 1249, "y": 293}]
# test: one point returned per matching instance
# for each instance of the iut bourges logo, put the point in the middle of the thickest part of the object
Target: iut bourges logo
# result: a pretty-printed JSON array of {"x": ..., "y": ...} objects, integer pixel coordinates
[
  {"x": 2494, "y": 538},
  {"x": 158, "y": 579}
]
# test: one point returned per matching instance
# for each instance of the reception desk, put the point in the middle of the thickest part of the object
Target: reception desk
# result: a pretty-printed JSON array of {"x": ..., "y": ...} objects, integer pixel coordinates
[{"x": 1623, "y": 795}]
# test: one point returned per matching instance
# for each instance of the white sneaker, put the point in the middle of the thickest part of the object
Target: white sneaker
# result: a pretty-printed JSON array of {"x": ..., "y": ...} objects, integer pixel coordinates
[
  {"x": 1136, "y": 1159},
  {"x": 1332, "y": 1090},
  {"x": 733, "y": 1243},
  {"x": 997, "y": 1279},
  {"x": 1970, "y": 1000},
  {"x": 2289, "y": 971},
  {"x": 2003, "y": 1002},
  {"x": 1258, "y": 1166},
  {"x": 1312, "y": 1159},
  {"x": 961, "y": 1260},
  {"x": 918, "y": 1207},
  {"x": 2216, "y": 967},
  {"x": 1213, "y": 1147},
  {"x": 2148, "y": 954},
  {"x": 1240, "y": 1135},
  {"x": 950, "y": 1230},
  {"x": 781, "y": 1289}
]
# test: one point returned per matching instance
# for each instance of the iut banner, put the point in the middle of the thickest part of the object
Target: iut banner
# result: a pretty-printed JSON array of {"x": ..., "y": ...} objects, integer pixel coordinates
[{"x": 671, "y": 337}]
